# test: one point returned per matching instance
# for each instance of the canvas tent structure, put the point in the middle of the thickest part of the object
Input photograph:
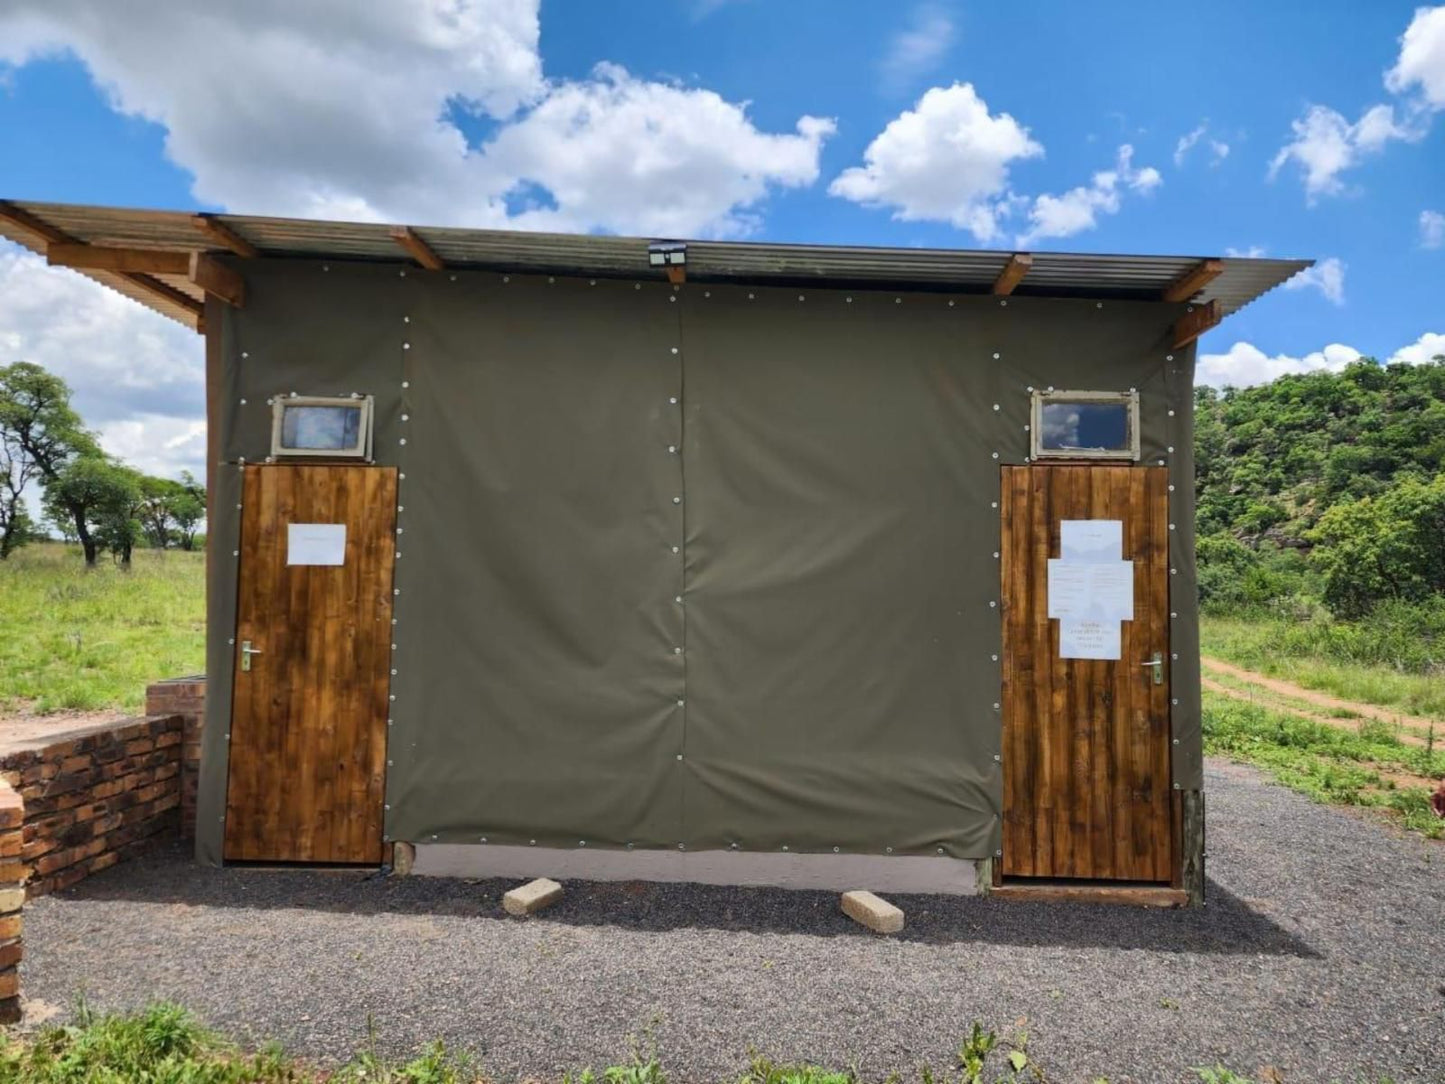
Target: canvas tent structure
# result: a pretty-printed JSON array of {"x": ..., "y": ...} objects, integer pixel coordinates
[{"x": 753, "y": 563}]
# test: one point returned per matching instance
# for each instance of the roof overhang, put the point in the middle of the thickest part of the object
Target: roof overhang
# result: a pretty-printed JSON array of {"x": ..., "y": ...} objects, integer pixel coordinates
[{"x": 164, "y": 259}]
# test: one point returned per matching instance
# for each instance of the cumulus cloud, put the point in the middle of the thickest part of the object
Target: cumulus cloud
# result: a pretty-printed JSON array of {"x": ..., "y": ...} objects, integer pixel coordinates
[
  {"x": 946, "y": 160},
  {"x": 1218, "y": 148},
  {"x": 1078, "y": 209},
  {"x": 1245, "y": 365},
  {"x": 1427, "y": 347},
  {"x": 1325, "y": 144},
  {"x": 918, "y": 48},
  {"x": 1327, "y": 276},
  {"x": 1253, "y": 252},
  {"x": 137, "y": 377},
  {"x": 1421, "y": 65},
  {"x": 1432, "y": 229},
  {"x": 336, "y": 110}
]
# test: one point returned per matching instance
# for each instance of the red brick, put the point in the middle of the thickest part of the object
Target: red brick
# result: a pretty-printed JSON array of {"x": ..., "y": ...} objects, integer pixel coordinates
[
  {"x": 10, "y": 926},
  {"x": 9, "y": 983},
  {"x": 10, "y": 954}
]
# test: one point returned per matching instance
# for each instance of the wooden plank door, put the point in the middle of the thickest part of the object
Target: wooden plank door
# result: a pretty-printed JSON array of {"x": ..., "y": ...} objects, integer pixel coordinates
[
  {"x": 308, "y": 716},
  {"x": 1085, "y": 741}
]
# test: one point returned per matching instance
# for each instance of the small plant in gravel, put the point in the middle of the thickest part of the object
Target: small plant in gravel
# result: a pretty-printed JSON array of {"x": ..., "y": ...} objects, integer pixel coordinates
[
  {"x": 974, "y": 1055},
  {"x": 766, "y": 1071}
]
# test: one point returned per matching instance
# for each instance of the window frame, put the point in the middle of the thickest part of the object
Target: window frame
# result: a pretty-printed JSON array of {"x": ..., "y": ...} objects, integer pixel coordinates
[
  {"x": 362, "y": 451},
  {"x": 1130, "y": 401}
]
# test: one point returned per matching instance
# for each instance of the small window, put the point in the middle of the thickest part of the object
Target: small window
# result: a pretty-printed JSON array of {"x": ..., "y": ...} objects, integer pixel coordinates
[
  {"x": 1086, "y": 425},
  {"x": 314, "y": 426}
]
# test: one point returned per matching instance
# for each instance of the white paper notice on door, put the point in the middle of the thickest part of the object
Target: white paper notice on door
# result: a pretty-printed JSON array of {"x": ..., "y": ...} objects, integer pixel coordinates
[
  {"x": 1084, "y": 639},
  {"x": 1092, "y": 541},
  {"x": 1102, "y": 592},
  {"x": 315, "y": 543}
]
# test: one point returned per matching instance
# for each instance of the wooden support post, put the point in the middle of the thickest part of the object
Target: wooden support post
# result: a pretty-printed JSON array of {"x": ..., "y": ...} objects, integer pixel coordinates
[
  {"x": 1012, "y": 274},
  {"x": 142, "y": 261},
  {"x": 676, "y": 274},
  {"x": 1192, "y": 845},
  {"x": 216, "y": 278},
  {"x": 224, "y": 236},
  {"x": 418, "y": 249},
  {"x": 1195, "y": 323},
  {"x": 1193, "y": 280}
]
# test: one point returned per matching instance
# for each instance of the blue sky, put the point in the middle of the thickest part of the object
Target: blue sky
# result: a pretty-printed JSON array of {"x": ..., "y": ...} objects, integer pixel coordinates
[{"x": 1295, "y": 129}]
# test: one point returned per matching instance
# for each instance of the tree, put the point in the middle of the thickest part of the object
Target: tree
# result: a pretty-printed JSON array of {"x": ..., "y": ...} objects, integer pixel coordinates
[
  {"x": 43, "y": 436},
  {"x": 188, "y": 509},
  {"x": 98, "y": 497},
  {"x": 1391, "y": 546}
]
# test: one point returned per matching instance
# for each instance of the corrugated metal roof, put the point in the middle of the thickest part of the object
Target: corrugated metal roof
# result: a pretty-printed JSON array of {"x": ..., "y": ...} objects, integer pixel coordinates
[{"x": 1055, "y": 274}]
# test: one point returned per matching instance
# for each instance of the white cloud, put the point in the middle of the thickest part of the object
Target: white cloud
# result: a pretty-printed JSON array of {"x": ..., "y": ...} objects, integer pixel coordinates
[
  {"x": 1327, "y": 276},
  {"x": 918, "y": 48},
  {"x": 1245, "y": 365},
  {"x": 1325, "y": 144},
  {"x": 1427, "y": 347},
  {"x": 1218, "y": 148},
  {"x": 1421, "y": 65},
  {"x": 946, "y": 159},
  {"x": 1432, "y": 229},
  {"x": 138, "y": 378},
  {"x": 1078, "y": 209},
  {"x": 331, "y": 109},
  {"x": 1253, "y": 252}
]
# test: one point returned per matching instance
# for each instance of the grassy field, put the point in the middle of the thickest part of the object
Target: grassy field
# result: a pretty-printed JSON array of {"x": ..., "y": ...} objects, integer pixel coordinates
[
  {"x": 1285, "y": 649},
  {"x": 77, "y": 640}
]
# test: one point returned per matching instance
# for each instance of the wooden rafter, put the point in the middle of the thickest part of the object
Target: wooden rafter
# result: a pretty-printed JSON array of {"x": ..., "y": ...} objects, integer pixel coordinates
[
  {"x": 224, "y": 236},
  {"x": 211, "y": 275},
  {"x": 55, "y": 237},
  {"x": 416, "y": 248},
  {"x": 1012, "y": 274},
  {"x": 1193, "y": 280},
  {"x": 1195, "y": 322},
  {"x": 144, "y": 261}
]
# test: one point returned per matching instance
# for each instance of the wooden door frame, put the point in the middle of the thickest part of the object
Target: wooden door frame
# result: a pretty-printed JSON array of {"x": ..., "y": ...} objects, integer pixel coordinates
[{"x": 1173, "y": 889}]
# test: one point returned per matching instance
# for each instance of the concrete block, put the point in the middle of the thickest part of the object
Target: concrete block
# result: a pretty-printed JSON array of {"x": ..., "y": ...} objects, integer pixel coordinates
[
  {"x": 872, "y": 911},
  {"x": 403, "y": 857},
  {"x": 11, "y": 899},
  {"x": 532, "y": 896}
]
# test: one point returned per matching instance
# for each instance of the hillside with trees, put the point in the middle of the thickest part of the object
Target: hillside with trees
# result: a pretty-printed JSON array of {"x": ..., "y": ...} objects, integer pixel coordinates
[
  {"x": 1326, "y": 487},
  {"x": 87, "y": 496}
]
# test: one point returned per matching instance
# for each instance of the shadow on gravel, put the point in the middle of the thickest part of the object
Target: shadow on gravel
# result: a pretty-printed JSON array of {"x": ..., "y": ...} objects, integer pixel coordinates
[{"x": 1226, "y": 926}]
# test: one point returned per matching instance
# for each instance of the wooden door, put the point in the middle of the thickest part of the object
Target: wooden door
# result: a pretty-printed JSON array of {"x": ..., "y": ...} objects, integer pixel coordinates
[
  {"x": 308, "y": 717},
  {"x": 1085, "y": 741}
]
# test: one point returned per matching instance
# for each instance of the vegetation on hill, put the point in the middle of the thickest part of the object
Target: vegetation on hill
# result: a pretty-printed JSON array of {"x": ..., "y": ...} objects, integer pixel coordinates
[{"x": 1325, "y": 488}]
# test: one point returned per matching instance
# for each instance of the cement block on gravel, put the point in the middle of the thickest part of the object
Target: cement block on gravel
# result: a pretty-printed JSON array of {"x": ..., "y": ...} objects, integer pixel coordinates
[
  {"x": 872, "y": 911},
  {"x": 532, "y": 897}
]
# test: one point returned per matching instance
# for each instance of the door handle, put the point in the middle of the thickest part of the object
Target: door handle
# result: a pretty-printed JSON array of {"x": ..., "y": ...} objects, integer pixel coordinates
[
  {"x": 246, "y": 652},
  {"x": 1157, "y": 662}
]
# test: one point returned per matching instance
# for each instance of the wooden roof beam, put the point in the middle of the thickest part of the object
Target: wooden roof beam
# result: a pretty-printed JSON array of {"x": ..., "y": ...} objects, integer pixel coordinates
[
  {"x": 1193, "y": 280},
  {"x": 417, "y": 249},
  {"x": 1195, "y": 322},
  {"x": 211, "y": 275},
  {"x": 1012, "y": 274},
  {"x": 144, "y": 261},
  {"x": 27, "y": 221},
  {"x": 224, "y": 236}
]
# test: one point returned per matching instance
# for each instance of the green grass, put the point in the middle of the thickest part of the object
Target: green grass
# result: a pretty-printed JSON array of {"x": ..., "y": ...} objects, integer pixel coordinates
[
  {"x": 1301, "y": 652},
  {"x": 1330, "y": 764},
  {"x": 72, "y": 639},
  {"x": 165, "y": 1045}
]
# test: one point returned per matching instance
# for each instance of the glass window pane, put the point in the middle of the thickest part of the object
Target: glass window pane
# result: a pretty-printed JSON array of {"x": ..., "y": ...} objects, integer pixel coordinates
[
  {"x": 321, "y": 428},
  {"x": 1085, "y": 426}
]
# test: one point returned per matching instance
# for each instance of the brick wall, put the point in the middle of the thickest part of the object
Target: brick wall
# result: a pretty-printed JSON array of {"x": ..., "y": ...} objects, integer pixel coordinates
[
  {"x": 185, "y": 697},
  {"x": 93, "y": 798},
  {"x": 12, "y": 898}
]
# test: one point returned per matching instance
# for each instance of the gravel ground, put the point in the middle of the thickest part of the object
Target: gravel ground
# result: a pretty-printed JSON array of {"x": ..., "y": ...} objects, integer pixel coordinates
[{"x": 1321, "y": 952}]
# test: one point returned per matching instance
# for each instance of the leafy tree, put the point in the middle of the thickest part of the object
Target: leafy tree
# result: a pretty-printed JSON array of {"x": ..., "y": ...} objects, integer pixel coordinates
[
  {"x": 188, "y": 509},
  {"x": 43, "y": 437},
  {"x": 98, "y": 497},
  {"x": 1387, "y": 547}
]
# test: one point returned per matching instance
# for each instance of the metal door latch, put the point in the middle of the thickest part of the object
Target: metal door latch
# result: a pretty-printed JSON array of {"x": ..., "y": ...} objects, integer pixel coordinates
[
  {"x": 1157, "y": 661},
  {"x": 246, "y": 652}
]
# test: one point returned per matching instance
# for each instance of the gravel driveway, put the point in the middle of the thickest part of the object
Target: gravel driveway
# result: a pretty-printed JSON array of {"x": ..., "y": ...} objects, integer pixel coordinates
[{"x": 1322, "y": 952}]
